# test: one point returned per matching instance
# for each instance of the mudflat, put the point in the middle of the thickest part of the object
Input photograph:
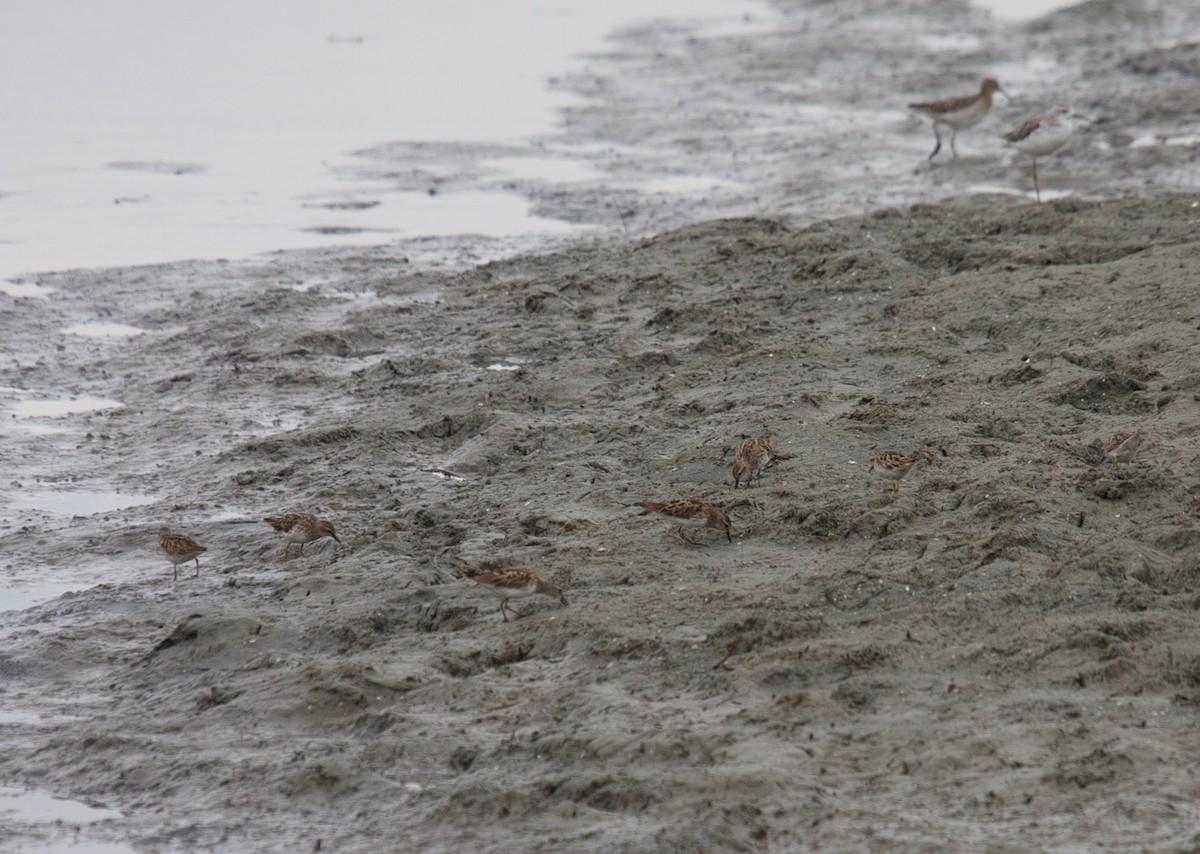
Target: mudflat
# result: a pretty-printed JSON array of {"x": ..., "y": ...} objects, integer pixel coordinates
[
  {"x": 1002, "y": 646},
  {"x": 1000, "y": 654}
]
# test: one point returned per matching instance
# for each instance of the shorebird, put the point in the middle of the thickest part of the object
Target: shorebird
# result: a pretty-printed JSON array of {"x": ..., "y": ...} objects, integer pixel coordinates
[
  {"x": 517, "y": 583},
  {"x": 892, "y": 465},
  {"x": 1120, "y": 447},
  {"x": 691, "y": 513},
  {"x": 179, "y": 548},
  {"x": 1042, "y": 134},
  {"x": 957, "y": 113},
  {"x": 300, "y": 528},
  {"x": 752, "y": 456}
]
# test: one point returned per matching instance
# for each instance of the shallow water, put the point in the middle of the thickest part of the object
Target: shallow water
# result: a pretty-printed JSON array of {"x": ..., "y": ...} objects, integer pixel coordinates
[
  {"x": 103, "y": 330},
  {"x": 20, "y": 598},
  {"x": 1022, "y": 10},
  {"x": 77, "y": 502},
  {"x": 58, "y": 407},
  {"x": 56, "y": 822},
  {"x": 233, "y": 144}
]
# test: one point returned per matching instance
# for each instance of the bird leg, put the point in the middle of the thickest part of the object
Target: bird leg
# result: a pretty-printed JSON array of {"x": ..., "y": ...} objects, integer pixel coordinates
[
  {"x": 937, "y": 147},
  {"x": 1036, "y": 189},
  {"x": 953, "y": 150},
  {"x": 503, "y": 606}
]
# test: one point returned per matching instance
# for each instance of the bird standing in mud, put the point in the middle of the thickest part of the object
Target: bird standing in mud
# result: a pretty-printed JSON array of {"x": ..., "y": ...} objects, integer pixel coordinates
[
  {"x": 300, "y": 528},
  {"x": 892, "y": 465},
  {"x": 752, "y": 457},
  {"x": 1120, "y": 447},
  {"x": 1042, "y": 134},
  {"x": 957, "y": 113},
  {"x": 179, "y": 548},
  {"x": 691, "y": 513},
  {"x": 517, "y": 583}
]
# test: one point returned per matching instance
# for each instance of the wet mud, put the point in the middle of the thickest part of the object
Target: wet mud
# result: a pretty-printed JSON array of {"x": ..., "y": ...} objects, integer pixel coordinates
[{"x": 1000, "y": 655}]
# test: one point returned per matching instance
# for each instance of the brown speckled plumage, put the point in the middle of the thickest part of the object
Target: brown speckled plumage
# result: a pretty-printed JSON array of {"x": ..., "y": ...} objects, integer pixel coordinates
[
  {"x": 692, "y": 513},
  {"x": 300, "y": 528},
  {"x": 179, "y": 548},
  {"x": 516, "y": 583},
  {"x": 752, "y": 456}
]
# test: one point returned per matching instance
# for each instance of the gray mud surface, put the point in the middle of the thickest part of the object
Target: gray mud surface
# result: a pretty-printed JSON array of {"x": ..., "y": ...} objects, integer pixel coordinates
[{"x": 1003, "y": 656}]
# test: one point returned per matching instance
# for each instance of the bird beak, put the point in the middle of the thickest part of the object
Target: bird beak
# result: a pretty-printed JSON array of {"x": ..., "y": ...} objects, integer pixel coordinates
[
  {"x": 335, "y": 536},
  {"x": 1083, "y": 119},
  {"x": 562, "y": 599}
]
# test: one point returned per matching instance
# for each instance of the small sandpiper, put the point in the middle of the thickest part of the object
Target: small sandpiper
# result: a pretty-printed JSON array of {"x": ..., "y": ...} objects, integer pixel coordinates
[
  {"x": 691, "y": 513},
  {"x": 517, "y": 583},
  {"x": 179, "y": 548},
  {"x": 1120, "y": 447},
  {"x": 1043, "y": 134},
  {"x": 962, "y": 111},
  {"x": 892, "y": 465},
  {"x": 753, "y": 455},
  {"x": 300, "y": 528}
]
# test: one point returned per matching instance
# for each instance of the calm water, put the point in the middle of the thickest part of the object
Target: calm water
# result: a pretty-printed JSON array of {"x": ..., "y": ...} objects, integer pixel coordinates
[{"x": 140, "y": 132}]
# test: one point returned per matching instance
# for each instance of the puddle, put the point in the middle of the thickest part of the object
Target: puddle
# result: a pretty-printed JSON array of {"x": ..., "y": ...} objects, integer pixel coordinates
[
  {"x": 551, "y": 169},
  {"x": 103, "y": 330},
  {"x": 39, "y": 823},
  {"x": 20, "y": 599},
  {"x": 38, "y": 429},
  {"x": 506, "y": 363},
  {"x": 25, "y": 289},
  {"x": 1023, "y": 10},
  {"x": 57, "y": 407},
  {"x": 21, "y": 804},
  {"x": 28, "y": 717},
  {"x": 78, "y": 502}
]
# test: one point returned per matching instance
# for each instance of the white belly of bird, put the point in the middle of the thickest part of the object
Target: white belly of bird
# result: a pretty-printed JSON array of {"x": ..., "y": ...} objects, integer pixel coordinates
[
  {"x": 512, "y": 592},
  {"x": 1045, "y": 140},
  {"x": 960, "y": 119}
]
